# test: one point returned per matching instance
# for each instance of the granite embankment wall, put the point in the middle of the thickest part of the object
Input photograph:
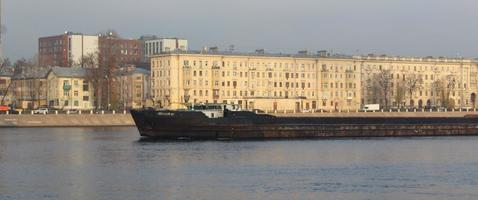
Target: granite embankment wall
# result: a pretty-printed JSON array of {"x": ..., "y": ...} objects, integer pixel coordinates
[
  {"x": 380, "y": 114},
  {"x": 63, "y": 120},
  {"x": 98, "y": 120}
]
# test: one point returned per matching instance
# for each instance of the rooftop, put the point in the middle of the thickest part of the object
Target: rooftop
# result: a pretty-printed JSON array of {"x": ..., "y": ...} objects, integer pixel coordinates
[
  {"x": 258, "y": 54},
  {"x": 32, "y": 74},
  {"x": 6, "y": 73},
  {"x": 323, "y": 54},
  {"x": 66, "y": 72},
  {"x": 135, "y": 71}
]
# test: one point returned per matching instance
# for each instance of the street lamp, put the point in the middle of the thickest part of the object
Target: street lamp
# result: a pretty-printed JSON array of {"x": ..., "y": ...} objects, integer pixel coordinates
[{"x": 107, "y": 92}]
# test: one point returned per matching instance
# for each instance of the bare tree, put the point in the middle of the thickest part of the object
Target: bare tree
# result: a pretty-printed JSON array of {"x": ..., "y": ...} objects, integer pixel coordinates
[
  {"x": 379, "y": 85},
  {"x": 108, "y": 65},
  {"x": 440, "y": 90},
  {"x": 93, "y": 75},
  {"x": 5, "y": 93},
  {"x": 413, "y": 82},
  {"x": 450, "y": 83},
  {"x": 444, "y": 87},
  {"x": 400, "y": 93}
]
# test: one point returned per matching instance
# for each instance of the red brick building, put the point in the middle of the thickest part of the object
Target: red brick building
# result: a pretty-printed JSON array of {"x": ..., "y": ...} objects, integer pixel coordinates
[
  {"x": 66, "y": 50},
  {"x": 123, "y": 51},
  {"x": 53, "y": 51}
]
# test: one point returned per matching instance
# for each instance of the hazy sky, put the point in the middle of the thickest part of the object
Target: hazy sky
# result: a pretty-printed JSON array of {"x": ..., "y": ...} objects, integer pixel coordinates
[{"x": 394, "y": 27}]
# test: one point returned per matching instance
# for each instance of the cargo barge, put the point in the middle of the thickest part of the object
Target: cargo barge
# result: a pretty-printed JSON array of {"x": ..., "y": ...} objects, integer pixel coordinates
[{"x": 220, "y": 122}]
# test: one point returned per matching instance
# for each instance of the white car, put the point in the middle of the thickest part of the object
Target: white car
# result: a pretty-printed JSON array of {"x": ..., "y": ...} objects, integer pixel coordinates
[{"x": 41, "y": 111}]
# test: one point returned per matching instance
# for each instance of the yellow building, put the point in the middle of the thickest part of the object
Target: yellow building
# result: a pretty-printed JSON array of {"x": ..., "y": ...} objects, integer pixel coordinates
[
  {"x": 256, "y": 81},
  {"x": 5, "y": 87},
  {"x": 420, "y": 83},
  {"x": 30, "y": 89},
  {"x": 69, "y": 89},
  {"x": 134, "y": 87},
  {"x": 307, "y": 82}
]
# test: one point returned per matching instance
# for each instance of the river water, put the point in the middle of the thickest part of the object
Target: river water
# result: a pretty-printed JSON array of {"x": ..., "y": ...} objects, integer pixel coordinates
[{"x": 113, "y": 163}]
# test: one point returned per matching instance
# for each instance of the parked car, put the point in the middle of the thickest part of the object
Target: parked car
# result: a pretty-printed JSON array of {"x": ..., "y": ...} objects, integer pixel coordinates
[
  {"x": 4, "y": 108},
  {"x": 371, "y": 107},
  {"x": 41, "y": 111},
  {"x": 258, "y": 111},
  {"x": 73, "y": 111}
]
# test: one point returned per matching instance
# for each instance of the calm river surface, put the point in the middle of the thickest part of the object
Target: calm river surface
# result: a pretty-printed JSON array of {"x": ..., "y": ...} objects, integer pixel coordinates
[{"x": 112, "y": 163}]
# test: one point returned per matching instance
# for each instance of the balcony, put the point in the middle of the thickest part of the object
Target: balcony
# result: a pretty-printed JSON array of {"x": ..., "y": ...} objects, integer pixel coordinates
[{"x": 66, "y": 87}]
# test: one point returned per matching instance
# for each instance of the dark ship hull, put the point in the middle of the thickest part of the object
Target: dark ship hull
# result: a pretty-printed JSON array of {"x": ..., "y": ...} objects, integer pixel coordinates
[{"x": 248, "y": 125}]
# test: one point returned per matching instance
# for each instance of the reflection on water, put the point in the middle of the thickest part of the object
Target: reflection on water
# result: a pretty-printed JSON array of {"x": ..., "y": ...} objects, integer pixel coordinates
[{"x": 114, "y": 163}]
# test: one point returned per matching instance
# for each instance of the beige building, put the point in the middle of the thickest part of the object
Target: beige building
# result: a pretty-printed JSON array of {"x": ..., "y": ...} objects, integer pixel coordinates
[
  {"x": 420, "y": 83},
  {"x": 6, "y": 93},
  {"x": 256, "y": 81},
  {"x": 30, "y": 89},
  {"x": 68, "y": 89},
  {"x": 307, "y": 82},
  {"x": 134, "y": 87}
]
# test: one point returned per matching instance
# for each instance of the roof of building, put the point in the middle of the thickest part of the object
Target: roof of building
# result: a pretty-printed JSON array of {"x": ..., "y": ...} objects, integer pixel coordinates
[
  {"x": 306, "y": 54},
  {"x": 260, "y": 54},
  {"x": 135, "y": 71},
  {"x": 66, "y": 72},
  {"x": 155, "y": 37},
  {"x": 40, "y": 73},
  {"x": 6, "y": 73},
  {"x": 66, "y": 33},
  {"x": 141, "y": 71}
]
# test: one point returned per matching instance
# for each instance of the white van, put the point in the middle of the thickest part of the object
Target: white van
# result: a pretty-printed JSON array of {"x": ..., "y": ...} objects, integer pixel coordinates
[{"x": 371, "y": 107}]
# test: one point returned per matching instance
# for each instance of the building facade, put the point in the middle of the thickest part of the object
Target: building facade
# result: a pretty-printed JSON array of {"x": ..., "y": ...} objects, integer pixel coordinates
[
  {"x": 68, "y": 88},
  {"x": 134, "y": 87},
  {"x": 30, "y": 89},
  {"x": 267, "y": 82},
  {"x": 66, "y": 50},
  {"x": 6, "y": 94},
  {"x": 420, "y": 82},
  {"x": 120, "y": 51},
  {"x": 311, "y": 82},
  {"x": 153, "y": 45}
]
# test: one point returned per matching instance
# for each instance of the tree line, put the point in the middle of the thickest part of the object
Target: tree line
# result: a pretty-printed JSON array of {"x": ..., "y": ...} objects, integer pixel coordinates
[{"x": 385, "y": 87}]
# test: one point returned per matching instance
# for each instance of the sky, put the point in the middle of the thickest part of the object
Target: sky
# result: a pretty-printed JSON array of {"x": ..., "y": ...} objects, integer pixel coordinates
[{"x": 393, "y": 27}]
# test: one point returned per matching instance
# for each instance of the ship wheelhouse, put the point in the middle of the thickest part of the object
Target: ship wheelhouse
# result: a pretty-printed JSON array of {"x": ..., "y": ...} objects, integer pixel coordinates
[{"x": 213, "y": 110}]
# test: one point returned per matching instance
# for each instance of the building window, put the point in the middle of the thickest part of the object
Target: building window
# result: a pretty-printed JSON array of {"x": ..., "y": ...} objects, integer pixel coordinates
[{"x": 85, "y": 86}]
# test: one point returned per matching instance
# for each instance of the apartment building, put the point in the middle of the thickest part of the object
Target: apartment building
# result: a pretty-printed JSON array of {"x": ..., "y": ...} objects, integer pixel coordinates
[
  {"x": 307, "y": 82},
  {"x": 255, "y": 81},
  {"x": 134, "y": 87},
  {"x": 68, "y": 88},
  {"x": 120, "y": 51},
  {"x": 30, "y": 88},
  {"x": 66, "y": 50},
  {"x": 6, "y": 93},
  {"x": 421, "y": 82},
  {"x": 154, "y": 45}
]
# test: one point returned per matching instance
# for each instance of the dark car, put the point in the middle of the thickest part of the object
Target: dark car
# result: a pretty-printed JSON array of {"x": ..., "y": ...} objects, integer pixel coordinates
[
  {"x": 11, "y": 111},
  {"x": 258, "y": 111}
]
